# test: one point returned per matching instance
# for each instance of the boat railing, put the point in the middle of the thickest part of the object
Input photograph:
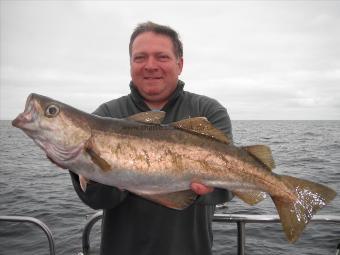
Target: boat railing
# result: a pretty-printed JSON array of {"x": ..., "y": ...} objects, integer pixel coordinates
[
  {"x": 240, "y": 219},
  {"x": 36, "y": 222}
]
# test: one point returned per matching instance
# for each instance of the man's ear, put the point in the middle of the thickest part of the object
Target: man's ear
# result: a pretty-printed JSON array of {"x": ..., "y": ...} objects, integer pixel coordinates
[{"x": 180, "y": 62}]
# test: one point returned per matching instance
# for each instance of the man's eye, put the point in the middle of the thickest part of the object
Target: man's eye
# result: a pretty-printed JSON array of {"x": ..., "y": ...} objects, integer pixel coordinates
[
  {"x": 163, "y": 57},
  {"x": 138, "y": 58}
]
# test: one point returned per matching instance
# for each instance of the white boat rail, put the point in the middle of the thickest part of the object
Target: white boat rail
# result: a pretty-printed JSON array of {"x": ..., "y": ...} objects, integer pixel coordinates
[
  {"x": 38, "y": 223},
  {"x": 242, "y": 219},
  {"x": 239, "y": 219}
]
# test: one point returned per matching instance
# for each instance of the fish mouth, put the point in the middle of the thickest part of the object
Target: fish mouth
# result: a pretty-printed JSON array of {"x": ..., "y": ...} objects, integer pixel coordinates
[
  {"x": 26, "y": 119},
  {"x": 23, "y": 120},
  {"x": 34, "y": 123}
]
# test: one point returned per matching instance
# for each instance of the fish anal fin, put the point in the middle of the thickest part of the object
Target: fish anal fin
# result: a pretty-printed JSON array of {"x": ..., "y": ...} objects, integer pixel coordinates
[
  {"x": 296, "y": 213},
  {"x": 262, "y": 153},
  {"x": 201, "y": 125},
  {"x": 150, "y": 117},
  {"x": 91, "y": 150},
  {"x": 176, "y": 200},
  {"x": 251, "y": 197}
]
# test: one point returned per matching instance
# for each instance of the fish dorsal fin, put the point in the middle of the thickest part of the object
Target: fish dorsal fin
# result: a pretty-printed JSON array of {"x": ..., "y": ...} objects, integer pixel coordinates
[
  {"x": 150, "y": 117},
  {"x": 261, "y": 153},
  {"x": 178, "y": 200},
  {"x": 200, "y": 125}
]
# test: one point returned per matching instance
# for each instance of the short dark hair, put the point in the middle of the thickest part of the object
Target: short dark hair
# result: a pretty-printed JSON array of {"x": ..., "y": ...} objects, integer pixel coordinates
[{"x": 158, "y": 29}]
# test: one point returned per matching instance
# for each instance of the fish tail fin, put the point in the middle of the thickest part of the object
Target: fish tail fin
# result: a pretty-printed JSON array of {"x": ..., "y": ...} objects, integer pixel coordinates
[{"x": 295, "y": 213}]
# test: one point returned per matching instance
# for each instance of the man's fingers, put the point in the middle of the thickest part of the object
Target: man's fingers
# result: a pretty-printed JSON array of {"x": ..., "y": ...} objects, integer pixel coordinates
[{"x": 201, "y": 189}]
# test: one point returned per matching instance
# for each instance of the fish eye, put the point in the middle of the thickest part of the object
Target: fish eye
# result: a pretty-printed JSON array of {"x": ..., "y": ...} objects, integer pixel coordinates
[{"x": 52, "y": 111}]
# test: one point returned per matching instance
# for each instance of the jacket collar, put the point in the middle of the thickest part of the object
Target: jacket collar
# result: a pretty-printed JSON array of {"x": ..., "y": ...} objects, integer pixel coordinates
[{"x": 139, "y": 100}]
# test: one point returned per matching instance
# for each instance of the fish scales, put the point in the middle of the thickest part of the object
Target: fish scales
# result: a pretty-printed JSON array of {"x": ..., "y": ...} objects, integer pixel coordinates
[
  {"x": 141, "y": 148},
  {"x": 159, "y": 162}
]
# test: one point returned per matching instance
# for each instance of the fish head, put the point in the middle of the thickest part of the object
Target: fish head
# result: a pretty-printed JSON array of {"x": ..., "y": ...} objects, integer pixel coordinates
[{"x": 60, "y": 130}]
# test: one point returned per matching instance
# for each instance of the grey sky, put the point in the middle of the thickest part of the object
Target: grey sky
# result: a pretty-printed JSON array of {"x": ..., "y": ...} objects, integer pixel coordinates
[{"x": 261, "y": 59}]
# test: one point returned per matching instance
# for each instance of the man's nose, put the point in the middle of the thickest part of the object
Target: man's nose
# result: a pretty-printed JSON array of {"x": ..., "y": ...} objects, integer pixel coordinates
[{"x": 151, "y": 64}]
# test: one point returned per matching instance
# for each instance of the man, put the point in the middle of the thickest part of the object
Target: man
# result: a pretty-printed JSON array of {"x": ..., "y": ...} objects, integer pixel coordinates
[{"x": 132, "y": 225}]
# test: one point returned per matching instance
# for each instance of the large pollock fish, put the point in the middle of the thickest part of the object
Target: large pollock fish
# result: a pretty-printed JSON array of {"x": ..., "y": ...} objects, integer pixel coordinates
[{"x": 159, "y": 162}]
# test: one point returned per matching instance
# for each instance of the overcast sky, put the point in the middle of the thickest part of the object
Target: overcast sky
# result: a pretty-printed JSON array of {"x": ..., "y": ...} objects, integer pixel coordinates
[{"x": 260, "y": 59}]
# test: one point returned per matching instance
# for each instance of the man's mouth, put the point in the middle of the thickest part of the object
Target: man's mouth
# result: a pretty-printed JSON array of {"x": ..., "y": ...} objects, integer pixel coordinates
[{"x": 152, "y": 78}]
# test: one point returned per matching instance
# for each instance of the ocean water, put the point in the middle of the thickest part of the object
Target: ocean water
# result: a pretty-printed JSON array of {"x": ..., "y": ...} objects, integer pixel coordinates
[{"x": 32, "y": 186}]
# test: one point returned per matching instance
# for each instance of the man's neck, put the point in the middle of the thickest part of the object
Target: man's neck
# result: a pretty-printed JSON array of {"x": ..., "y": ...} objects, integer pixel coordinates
[{"x": 155, "y": 105}]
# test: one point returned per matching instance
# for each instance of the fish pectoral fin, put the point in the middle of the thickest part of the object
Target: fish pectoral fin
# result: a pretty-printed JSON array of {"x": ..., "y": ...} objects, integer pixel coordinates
[
  {"x": 150, "y": 117},
  {"x": 251, "y": 197},
  {"x": 262, "y": 153},
  {"x": 176, "y": 200},
  {"x": 296, "y": 213},
  {"x": 91, "y": 150},
  {"x": 201, "y": 125}
]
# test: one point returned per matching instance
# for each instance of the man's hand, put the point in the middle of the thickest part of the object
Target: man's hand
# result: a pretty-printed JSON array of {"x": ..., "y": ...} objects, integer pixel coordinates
[{"x": 201, "y": 189}]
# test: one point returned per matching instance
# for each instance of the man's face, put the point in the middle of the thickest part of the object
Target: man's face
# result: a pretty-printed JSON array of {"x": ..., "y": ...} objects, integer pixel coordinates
[{"x": 154, "y": 67}]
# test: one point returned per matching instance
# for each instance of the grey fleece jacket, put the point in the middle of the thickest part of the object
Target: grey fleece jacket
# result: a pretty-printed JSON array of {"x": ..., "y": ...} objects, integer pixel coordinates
[{"x": 132, "y": 225}]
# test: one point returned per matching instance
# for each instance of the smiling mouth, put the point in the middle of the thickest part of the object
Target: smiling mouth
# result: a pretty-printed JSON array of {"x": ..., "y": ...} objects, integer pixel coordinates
[{"x": 152, "y": 78}]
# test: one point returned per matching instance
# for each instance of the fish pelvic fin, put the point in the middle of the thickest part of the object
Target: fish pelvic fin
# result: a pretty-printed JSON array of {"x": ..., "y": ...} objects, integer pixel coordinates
[
  {"x": 201, "y": 126},
  {"x": 262, "y": 153},
  {"x": 251, "y": 197},
  {"x": 296, "y": 213},
  {"x": 83, "y": 181},
  {"x": 176, "y": 200},
  {"x": 91, "y": 150},
  {"x": 150, "y": 117}
]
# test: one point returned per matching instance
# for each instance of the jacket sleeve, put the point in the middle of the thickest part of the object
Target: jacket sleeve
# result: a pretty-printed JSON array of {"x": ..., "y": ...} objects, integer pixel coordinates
[
  {"x": 219, "y": 117},
  {"x": 98, "y": 196}
]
